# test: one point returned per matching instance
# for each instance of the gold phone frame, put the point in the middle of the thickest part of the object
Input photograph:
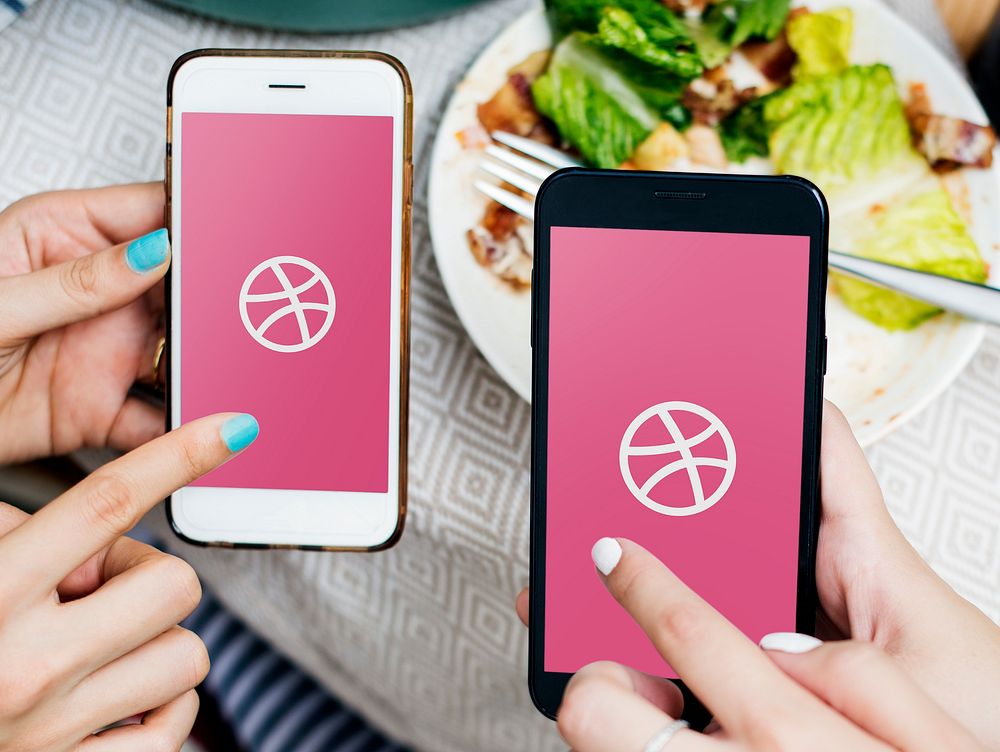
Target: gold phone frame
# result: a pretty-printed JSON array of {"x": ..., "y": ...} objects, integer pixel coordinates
[{"x": 404, "y": 291}]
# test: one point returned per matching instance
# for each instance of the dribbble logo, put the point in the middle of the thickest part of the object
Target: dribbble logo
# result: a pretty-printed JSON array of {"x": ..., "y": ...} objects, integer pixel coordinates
[
  {"x": 295, "y": 307},
  {"x": 678, "y": 456}
]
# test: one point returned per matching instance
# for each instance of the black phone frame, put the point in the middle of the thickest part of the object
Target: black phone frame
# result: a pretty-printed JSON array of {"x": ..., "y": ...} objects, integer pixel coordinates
[{"x": 580, "y": 197}]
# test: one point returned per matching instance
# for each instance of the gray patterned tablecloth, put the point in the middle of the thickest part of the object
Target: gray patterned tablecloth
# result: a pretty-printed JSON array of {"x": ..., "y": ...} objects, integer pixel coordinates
[{"x": 423, "y": 638}]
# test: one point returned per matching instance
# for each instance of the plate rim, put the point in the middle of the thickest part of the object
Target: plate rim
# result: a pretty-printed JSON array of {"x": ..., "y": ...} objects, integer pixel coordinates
[
  {"x": 482, "y": 343},
  {"x": 974, "y": 332}
]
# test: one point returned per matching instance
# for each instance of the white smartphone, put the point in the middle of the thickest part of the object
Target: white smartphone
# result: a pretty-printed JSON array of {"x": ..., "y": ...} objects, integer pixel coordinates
[{"x": 289, "y": 184}]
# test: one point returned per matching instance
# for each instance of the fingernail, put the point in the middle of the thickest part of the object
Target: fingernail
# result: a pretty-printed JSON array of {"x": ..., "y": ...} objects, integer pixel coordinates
[
  {"x": 789, "y": 642},
  {"x": 606, "y": 553},
  {"x": 240, "y": 431},
  {"x": 148, "y": 252}
]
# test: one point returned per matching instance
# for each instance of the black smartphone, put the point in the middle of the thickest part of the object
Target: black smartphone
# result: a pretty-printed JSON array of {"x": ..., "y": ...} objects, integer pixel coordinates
[{"x": 679, "y": 348}]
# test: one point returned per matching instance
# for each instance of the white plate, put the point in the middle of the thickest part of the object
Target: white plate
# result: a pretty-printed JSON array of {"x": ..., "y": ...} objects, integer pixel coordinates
[{"x": 879, "y": 379}]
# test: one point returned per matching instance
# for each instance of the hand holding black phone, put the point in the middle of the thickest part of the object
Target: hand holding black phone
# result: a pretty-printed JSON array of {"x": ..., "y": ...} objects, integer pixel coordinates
[{"x": 679, "y": 353}]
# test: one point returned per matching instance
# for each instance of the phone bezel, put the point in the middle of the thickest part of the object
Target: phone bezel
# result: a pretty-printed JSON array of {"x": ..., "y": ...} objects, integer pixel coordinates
[
  {"x": 271, "y": 65},
  {"x": 579, "y": 197}
]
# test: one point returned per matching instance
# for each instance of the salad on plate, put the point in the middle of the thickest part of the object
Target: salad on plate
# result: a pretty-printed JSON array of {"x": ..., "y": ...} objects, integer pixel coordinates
[{"x": 746, "y": 86}]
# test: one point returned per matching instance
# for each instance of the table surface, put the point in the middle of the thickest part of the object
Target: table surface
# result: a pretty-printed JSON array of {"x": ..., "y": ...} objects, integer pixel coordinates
[{"x": 423, "y": 638}]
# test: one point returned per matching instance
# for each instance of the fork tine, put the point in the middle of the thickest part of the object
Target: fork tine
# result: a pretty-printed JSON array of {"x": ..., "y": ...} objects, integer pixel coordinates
[
  {"x": 544, "y": 153},
  {"x": 525, "y": 165},
  {"x": 513, "y": 177},
  {"x": 512, "y": 201}
]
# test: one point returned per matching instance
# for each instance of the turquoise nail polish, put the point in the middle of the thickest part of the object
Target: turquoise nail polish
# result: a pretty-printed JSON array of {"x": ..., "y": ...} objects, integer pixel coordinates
[
  {"x": 239, "y": 432},
  {"x": 148, "y": 252}
]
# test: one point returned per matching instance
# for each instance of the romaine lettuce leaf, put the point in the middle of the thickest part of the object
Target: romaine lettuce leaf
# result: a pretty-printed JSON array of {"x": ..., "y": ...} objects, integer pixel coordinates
[
  {"x": 712, "y": 49},
  {"x": 645, "y": 29},
  {"x": 595, "y": 107},
  {"x": 659, "y": 89},
  {"x": 921, "y": 231},
  {"x": 841, "y": 128},
  {"x": 727, "y": 24},
  {"x": 822, "y": 42},
  {"x": 745, "y": 133},
  {"x": 619, "y": 29},
  {"x": 662, "y": 26}
]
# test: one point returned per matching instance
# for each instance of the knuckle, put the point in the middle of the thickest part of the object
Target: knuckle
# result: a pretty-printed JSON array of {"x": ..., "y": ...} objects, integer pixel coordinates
[
  {"x": 196, "y": 658},
  {"x": 194, "y": 700},
  {"x": 581, "y": 703},
  {"x": 45, "y": 737},
  {"x": 181, "y": 583},
  {"x": 634, "y": 580},
  {"x": 848, "y": 660},
  {"x": 195, "y": 454},
  {"x": 24, "y": 686},
  {"x": 165, "y": 740},
  {"x": 25, "y": 210},
  {"x": 771, "y": 740},
  {"x": 778, "y": 733},
  {"x": 678, "y": 622},
  {"x": 13, "y": 702},
  {"x": 81, "y": 279},
  {"x": 603, "y": 670},
  {"x": 110, "y": 504},
  {"x": 843, "y": 664},
  {"x": 607, "y": 674},
  {"x": 22, "y": 204}
]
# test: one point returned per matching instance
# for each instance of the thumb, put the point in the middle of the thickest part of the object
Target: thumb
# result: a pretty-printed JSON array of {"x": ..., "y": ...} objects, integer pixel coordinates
[
  {"x": 83, "y": 288},
  {"x": 849, "y": 488},
  {"x": 521, "y": 606}
]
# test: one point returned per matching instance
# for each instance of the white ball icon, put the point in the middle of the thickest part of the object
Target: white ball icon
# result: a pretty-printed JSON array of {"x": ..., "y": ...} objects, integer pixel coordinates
[
  {"x": 677, "y": 456},
  {"x": 295, "y": 307}
]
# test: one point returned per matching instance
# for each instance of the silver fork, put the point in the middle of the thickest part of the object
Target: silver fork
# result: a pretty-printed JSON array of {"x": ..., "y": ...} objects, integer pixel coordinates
[{"x": 526, "y": 163}]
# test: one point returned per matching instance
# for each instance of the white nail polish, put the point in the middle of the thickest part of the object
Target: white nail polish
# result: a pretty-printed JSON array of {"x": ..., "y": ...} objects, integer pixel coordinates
[
  {"x": 789, "y": 642},
  {"x": 606, "y": 553}
]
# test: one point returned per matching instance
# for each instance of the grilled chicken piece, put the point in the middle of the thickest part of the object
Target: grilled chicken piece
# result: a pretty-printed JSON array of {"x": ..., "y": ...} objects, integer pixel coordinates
[
  {"x": 505, "y": 258},
  {"x": 499, "y": 221},
  {"x": 512, "y": 108},
  {"x": 502, "y": 243},
  {"x": 947, "y": 142},
  {"x": 774, "y": 59},
  {"x": 710, "y": 101}
]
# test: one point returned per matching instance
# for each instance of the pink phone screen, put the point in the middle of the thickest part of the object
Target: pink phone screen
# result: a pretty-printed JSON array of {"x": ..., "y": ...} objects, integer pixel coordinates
[
  {"x": 676, "y": 391},
  {"x": 285, "y": 271}
]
